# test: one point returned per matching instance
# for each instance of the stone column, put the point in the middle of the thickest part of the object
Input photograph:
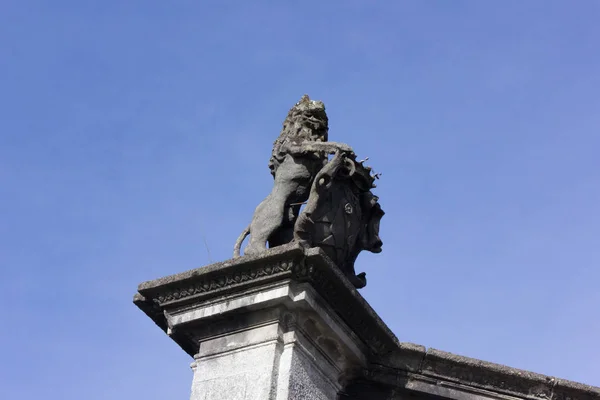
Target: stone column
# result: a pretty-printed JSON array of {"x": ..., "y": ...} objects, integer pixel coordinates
[
  {"x": 282, "y": 325},
  {"x": 284, "y": 345}
]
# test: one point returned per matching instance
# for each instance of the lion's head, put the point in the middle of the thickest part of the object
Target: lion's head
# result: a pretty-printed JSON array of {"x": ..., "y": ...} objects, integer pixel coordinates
[{"x": 306, "y": 121}]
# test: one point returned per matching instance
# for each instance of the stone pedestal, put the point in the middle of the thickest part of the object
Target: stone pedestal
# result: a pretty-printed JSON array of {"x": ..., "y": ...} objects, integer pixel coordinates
[
  {"x": 288, "y": 325},
  {"x": 286, "y": 347},
  {"x": 284, "y": 325}
]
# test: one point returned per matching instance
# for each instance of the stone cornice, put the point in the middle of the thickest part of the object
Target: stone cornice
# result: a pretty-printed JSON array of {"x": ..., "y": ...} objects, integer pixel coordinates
[
  {"x": 217, "y": 278},
  {"x": 441, "y": 372},
  {"x": 280, "y": 263}
]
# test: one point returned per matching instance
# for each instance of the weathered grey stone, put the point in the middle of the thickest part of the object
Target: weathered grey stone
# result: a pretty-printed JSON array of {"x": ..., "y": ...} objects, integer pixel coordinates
[
  {"x": 568, "y": 390},
  {"x": 444, "y": 375},
  {"x": 484, "y": 374},
  {"x": 253, "y": 272},
  {"x": 304, "y": 373},
  {"x": 261, "y": 324},
  {"x": 288, "y": 324},
  {"x": 293, "y": 349},
  {"x": 243, "y": 373}
]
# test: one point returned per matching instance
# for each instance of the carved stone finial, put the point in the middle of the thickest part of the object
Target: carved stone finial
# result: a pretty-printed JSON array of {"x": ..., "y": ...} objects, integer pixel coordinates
[{"x": 341, "y": 215}]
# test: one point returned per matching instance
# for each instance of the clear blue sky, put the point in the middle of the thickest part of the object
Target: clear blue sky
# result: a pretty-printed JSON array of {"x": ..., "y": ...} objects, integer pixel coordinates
[{"x": 130, "y": 130}]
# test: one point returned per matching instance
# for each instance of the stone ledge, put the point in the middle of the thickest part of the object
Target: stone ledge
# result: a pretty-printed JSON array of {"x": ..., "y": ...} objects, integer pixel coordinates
[
  {"x": 223, "y": 276},
  {"x": 569, "y": 390},
  {"x": 470, "y": 371},
  {"x": 247, "y": 273},
  {"x": 476, "y": 377}
]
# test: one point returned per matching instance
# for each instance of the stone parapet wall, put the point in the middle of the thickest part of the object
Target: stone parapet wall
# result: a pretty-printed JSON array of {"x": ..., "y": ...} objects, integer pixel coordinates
[{"x": 446, "y": 375}]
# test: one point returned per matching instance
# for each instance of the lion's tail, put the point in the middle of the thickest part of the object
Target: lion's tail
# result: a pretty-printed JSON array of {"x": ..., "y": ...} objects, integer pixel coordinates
[{"x": 238, "y": 243}]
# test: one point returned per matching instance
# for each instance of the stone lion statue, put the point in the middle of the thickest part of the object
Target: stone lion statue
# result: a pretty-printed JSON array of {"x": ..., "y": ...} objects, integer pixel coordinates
[
  {"x": 341, "y": 214},
  {"x": 299, "y": 152}
]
